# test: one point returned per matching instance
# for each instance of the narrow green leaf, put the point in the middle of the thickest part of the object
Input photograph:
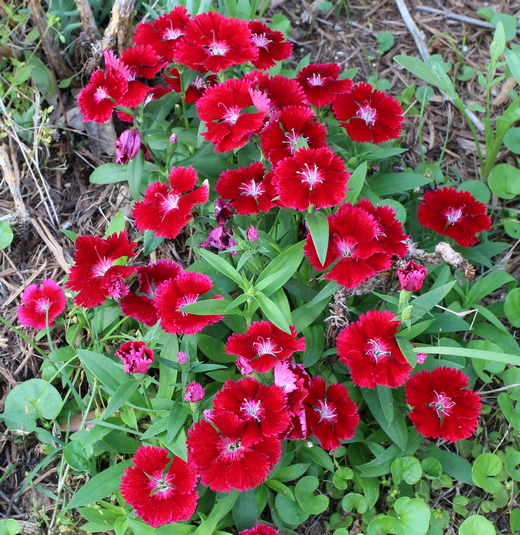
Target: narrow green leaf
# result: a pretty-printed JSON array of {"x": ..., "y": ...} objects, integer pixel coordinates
[
  {"x": 221, "y": 266},
  {"x": 319, "y": 229},
  {"x": 109, "y": 173},
  {"x": 356, "y": 182},
  {"x": 513, "y": 62},
  {"x": 391, "y": 183},
  {"x": 452, "y": 464},
  {"x": 208, "y": 307},
  {"x": 514, "y": 360},
  {"x": 220, "y": 510},
  {"x": 498, "y": 44},
  {"x": 272, "y": 312},
  {"x": 117, "y": 224},
  {"x": 424, "y": 303},
  {"x": 105, "y": 370},
  {"x": 121, "y": 396},
  {"x": 419, "y": 68}
]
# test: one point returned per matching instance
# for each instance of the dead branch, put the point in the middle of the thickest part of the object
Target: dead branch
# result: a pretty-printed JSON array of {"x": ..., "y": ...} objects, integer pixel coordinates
[
  {"x": 87, "y": 20},
  {"x": 119, "y": 29}
]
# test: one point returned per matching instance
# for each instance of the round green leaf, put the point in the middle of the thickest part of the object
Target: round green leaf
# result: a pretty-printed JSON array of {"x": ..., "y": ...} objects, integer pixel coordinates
[
  {"x": 512, "y": 227},
  {"x": 512, "y": 307},
  {"x": 6, "y": 234},
  {"x": 485, "y": 467},
  {"x": 340, "y": 477},
  {"x": 9, "y": 526},
  {"x": 512, "y": 140},
  {"x": 381, "y": 525},
  {"x": 407, "y": 468},
  {"x": 512, "y": 463},
  {"x": 424, "y": 93},
  {"x": 308, "y": 501},
  {"x": 432, "y": 468},
  {"x": 477, "y": 525},
  {"x": 29, "y": 401},
  {"x": 413, "y": 516},
  {"x": 355, "y": 501},
  {"x": 509, "y": 22},
  {"x": 504, "y": 181},
  {"x": 478, "y": 189},
  {"x": 290, "y": 512}
]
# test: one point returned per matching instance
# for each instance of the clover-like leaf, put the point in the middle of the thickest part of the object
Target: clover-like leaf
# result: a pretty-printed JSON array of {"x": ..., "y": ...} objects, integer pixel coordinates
[
  {"x": 307, "y": 500},
  {"x": 477, "y": 525},
  {"x": 406, "y": 468},
  {"x": 485, "y": 467},
  {"x": 356, "y": 501},
  {"x": 413, "y": 516}
]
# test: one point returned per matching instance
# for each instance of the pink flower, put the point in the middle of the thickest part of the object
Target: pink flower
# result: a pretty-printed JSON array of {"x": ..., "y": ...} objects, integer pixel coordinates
[
  {"x": 264, "y": 345},
  {"x": 194, "y": 392},
  {"x": 272, "y": 45},
  {"x": 252, "y": 233},
  {"x": 260, "y": 529},
  {"x": 135, "y": 356},
  {"x": 128, "y": 145},
  {"x": 331, "y": 415},
  {"x": 167, "y": 208},
  {"x": 141, "y": 304},
  {"x": 160, "y": 488},
  {"x": 98, "y": 99},
  {"x": 412, "y": 276},
  {"x": 368, "y": 115},
  {"x": 213, "y": 42},
  {"x": 312, "y": 177},
  {"x": 225, "y": 458},
  {"x": 443, "y": 406},
  {"x": 248, "y": 189},
  {"x": 94, "y": 274},
  {"x": 369, "y": 348},
  {"x": 173, "y": 294},
  {"x": 321, "y": 84},
  {"x": 221, "y": 237},
  {"x": 232, "y": 112},
  {"x": 453, "y": 213},
  {"x": 41, "y": 304},
  {"x": 182, "y": 358}
]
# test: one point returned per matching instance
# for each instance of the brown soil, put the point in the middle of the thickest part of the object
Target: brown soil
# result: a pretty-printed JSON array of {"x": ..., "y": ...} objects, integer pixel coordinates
[{"x": 56, "y": 193}]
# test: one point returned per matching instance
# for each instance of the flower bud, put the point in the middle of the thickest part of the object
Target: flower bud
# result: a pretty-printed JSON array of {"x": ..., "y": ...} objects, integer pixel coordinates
[
  {"x": 195, "y": 392},
  {"x": 128, "y": 145},
  {"x": 252, "y": 233},
  {"x": 412, "y": 276}
]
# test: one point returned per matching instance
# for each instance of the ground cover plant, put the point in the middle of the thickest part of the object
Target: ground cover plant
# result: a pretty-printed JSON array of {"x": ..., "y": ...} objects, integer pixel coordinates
[{"x": 318, "y": 345}]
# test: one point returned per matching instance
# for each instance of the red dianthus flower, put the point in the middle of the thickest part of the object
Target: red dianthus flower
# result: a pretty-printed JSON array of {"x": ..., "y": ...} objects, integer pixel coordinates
[
  {"x": 135, "y": 356},
  {"x": 331, "y": 414},
  {"x": 453, "y": 213},
  {"x": 173, "y": 294},
  {"x": 225, "y": 110},
  {"x": 248, "y": 189},
  {"x": 443, "y": 406},
  {"x": 262, "y": 407},
  {"x": 412, "y": 276},
  {"x": 93, "y": 274},
  {"x": 227, "y": 459},
  {"x": 140, "y": 305},
  {"x": 353, "y": 241},
  {"x": 314, "y": 177},
  {"x": 368, "y": 115},
  {"x": 272, "y": 45},
  {"x": 165, "y": 209},
  {"x": 320, "y": 83},
  {"x": 264, "y": 345},
  {"x": 160, "y": 488},
  {"x": 41, "y": 304},
  {"x": 213, "y": 42},
  {"x": 293, "y": 129},
  {"x": 369, "y": 348},
  {"x": 260, "y": 529}
]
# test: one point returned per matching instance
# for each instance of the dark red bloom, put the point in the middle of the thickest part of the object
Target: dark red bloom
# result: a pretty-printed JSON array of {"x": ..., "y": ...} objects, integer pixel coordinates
[
  {"x": 41, "y": 304},
  {"x": 135, "y": 356},
  {"x": 165, "y": 209},
  {"x": 369, "y": 348},
  {"x": 98, "y": 99},
  {"x": 232, "y": 112},
  {"x": 195, "y": 90},
  {"x": 280, "y": 90},
  {"x": 443, "y": 406},
  {"x": 264, "y": 345},
  {"x": 453, "y": 213},
  {"x": 294, "y": 381},
  {"x": 353, "y": 243},
  {"x": 262, "y": 407},
  {"x": 160, "y": 488},
  {"x": 390, "y": 235},
  {"x": 321, "y": 84},
  {"x": 128, "y": 145},
  {"x": 272, "y": 45},
  {"x": 260, "y": 529},
  {"x": 368, "y": 115},
  {"x": 225, "y": 459},
  {"x": 412, "y": 276},
  {"x": 312, "y": 177},
  {"x": 331, "y": 414},
  {"x": 248, "y": 189},
  {"x": 140, "y": 305},
  {"x": 163, "y": 33},
  {"x": 94, "y": 274},
  {"x": 173, "y": 294},
  {"x": 213, "y": 42},
  {"x": 293, "y": 129}
]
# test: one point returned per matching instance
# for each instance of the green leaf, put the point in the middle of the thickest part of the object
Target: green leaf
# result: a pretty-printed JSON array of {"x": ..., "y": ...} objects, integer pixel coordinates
[
  {"x": 471, "y": 353},
  {"x": 486, "y": 285},
  {"x": 453, "y": 464},
  {"x": 498, "y": 44},
  {"x": 513, "y": 62},
  {"x": 109, "y": 173},
  {"x": 42, "y": 77},
  {"x": 272, "y": 312},
  {"x": 406, "y": 468},
  {"x": 280, "y": 270},
  {"x": 319, "y": 229},
  {"x": 307, "y": 313},
  {"x": 386, "y": 42},
  {"x": 9, "y": 526},
  {"x": 431, "y": 467},
  {"x": 245, "y": 511},
  {"x": 220, "y": 510},
  {"x": 290, "y": 512},
  {"x": 485, "y": 467},
  {"x": 6, "y": 234},
  {"x": 341, "y": 477},
  {"x": 419, "y": 68},
  {"x": 316, "y": 454},
  {"x": 353, "y": 501},
  {"x": 222, "y": 266},
  {"x": 99, "y": 487},
  {"x": 117, "y": 224},
  {"x": 512, "y": 307},
  {"x": 121, "y": 396},
  {"x": 208, "y": 307},
  {"x": 511, "y": 463},
  {"x": 104, "y": 369},
  {"x": 413, "y": 516},
  {"x": 504, "y": 181},
  {"x": 356, "y": 182},
  {"x": 290, "y": 473},
  {"x": 477, "y": 525},
  {"x": 307, "y": 500},
  {"x": 391, "y": 183},
  {"x": 425, "y": 302},
  {"x": 509, "y": 24}
]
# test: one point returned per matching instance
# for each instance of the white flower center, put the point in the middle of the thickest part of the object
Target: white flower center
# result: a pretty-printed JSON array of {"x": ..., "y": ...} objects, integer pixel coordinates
[
  {"x": 453, "y": 215},
  {"x": 315, "y": 79},
  {"x": 346, "y": 246},
  {"x": 251, "y": 408},
  {"x": 101, "y": 94},
  {"x": 368, "y": 114},
  {"x": 171, "y": 34},
  {"x": 265, "y": 347},
  {"x": 103, "y": 265},
  {"x": 252, "y": 189},
  {"x": 218, "y": 48},
  {"x": 187, "y": 299},
  {"x": 171, "y": 202},
  {"x": 326, "y": 412},
  {"x": 230, "y": 115},
  {"x": 442, "y": 404},
  {"x": 377, "y": 349},
  {"x": 260, "y": 40},
  {"x": 311, "y": 175},
  {"x": 293, "y": 140}
]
